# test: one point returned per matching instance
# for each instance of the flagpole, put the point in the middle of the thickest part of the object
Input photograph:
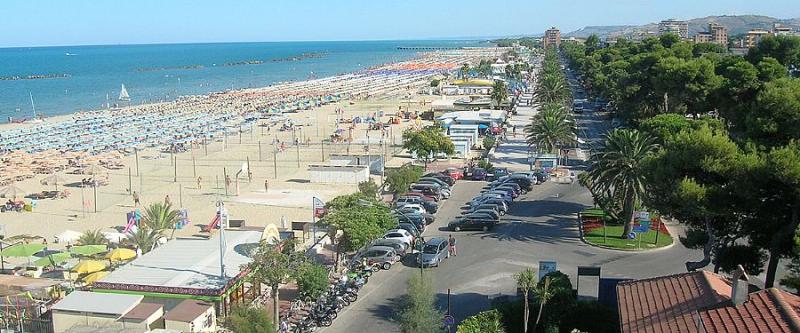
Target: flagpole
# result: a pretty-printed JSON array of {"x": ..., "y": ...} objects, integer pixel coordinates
[{"x": 314, "y": 219}]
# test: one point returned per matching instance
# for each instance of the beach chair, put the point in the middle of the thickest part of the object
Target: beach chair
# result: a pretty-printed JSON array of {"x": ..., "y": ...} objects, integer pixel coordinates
[{"x": 211, "y": 226}]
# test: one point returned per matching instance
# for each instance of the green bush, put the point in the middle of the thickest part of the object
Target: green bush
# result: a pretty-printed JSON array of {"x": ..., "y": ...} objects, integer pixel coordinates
[
  {"x": 485, "y": 322},
  {"x": 312, "y": 280},
  {"x": 484, "y": 163},
  {"x": 369, "y": 188},
  {"x": 488, "y": 142},
  {"x": 244, "y": 319}
]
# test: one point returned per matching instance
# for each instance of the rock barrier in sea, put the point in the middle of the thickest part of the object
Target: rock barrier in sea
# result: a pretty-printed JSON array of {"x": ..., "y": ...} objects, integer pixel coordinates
[{"x": 33, "y": 77}]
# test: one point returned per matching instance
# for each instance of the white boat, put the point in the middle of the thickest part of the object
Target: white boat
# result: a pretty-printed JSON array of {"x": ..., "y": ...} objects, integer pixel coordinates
[{"x": 123, "y": 94}]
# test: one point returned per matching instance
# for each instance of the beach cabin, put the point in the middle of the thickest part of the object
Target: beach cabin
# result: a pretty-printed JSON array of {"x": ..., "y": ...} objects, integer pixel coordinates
[
  {"x": 192, "y": 316},
  {"x": 338, "y": 173},
  {"x": 83, "y": 308},
  {"x": 189, "y": 268},
  {"x": 145, "y": 316},
  {"x": 462, "y": 148},
  {"x": 470, "y": 131}
]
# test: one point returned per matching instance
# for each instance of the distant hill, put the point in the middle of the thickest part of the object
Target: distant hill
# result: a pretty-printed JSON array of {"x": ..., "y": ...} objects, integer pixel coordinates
[{"x": 736, "y": 24}]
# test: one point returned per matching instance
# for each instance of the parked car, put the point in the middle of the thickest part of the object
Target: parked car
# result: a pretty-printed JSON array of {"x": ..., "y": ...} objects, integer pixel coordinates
[
  {"x": 400, "y": 234},
  {"x": 497, "y": 173},
  {"x": 500, "y": 209},
  {"x": 434, "y": 251},
  {"x": 454, "y": 172},
  {"x": 415, "y": 219},
  {"x": 433, "y": 180},
  {"x": 429, "y": 218},
  {"x": 506, "y": 192},
  {"x": 478, "y": 174},
  {"x": 512, "y": 185},
  {"x": 398, "y": 245},
  {"x": 422, "y": 196},
  {"x": 410, "y": 227},
  {"x": 485, "y": 196},
  {"x": 430, "y": 188},
  {"x": 443, "y": 177},
  {"x": 487, "y": 200},
  {"x": 415, "y": 208},
  {"x": 467, "y": 223},
  {"x": 383, "y": 256},
  {"x": 522, "y": 181},
  {"x": 492, "y": 213},
  {"x": 429, "y": 206}
]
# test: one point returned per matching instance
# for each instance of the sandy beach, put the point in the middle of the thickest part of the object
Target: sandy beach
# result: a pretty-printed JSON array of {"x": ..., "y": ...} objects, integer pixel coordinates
[{"x": 288, "y": 198}]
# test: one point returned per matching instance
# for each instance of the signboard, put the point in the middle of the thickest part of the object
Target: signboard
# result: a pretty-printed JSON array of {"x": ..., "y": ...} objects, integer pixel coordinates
[
  {"x": 632, "y": 235},
  {"x": 641, "y": 229},
  {"x": 588, "y": 271},
  {"x": 449, "y": 320},
  {"x": 546, "y": 267},
  {"x": 644, "y": 216}
]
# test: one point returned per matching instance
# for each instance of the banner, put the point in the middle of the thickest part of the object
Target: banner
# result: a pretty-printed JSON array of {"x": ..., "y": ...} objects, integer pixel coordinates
[{"x": 319, "y": 208}]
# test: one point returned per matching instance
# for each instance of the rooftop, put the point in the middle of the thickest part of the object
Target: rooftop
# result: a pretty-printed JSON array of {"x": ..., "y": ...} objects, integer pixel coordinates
[
  {"x": 84, "y": 301},
  {"x": 184, "y": 265},
  {"x": 769, "y": 310},
  {"x": 143, "y": 311},
  {"x": 187, "y": 311}
]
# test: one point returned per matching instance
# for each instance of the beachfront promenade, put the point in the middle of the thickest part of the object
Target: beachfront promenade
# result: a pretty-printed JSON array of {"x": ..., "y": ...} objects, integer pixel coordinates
[{"x": 156, "y": 174}]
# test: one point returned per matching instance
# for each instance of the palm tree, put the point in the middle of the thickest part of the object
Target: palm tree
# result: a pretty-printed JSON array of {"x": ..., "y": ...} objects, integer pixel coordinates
[
  {"x": 617, "y": 168},
  {"x": 92, "y": 237},
  {"x": 552, "y": 88},
  {"x": 543, "y": 294},
  {"x": 159, "y": 216},
  {"x": 551, "y": 128},
  {"x": 526, "y": 281},
  {"x": 464, "y": 72},
  {"x": 144, "y": 239},
  {"x": 499, "y": 93}
]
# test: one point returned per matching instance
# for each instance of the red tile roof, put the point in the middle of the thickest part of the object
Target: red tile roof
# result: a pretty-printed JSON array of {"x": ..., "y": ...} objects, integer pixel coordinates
[
  {"x": 770, "y": 310},
  {"x": 669, "y": 303},
  {"x": 143, "y": 311}
]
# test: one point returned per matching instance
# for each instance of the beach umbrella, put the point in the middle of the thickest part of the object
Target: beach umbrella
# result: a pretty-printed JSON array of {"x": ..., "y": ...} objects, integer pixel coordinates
[
  {"x": 22, "y": 250},
  {"x": 22, "y": 238},
  {"x": 88, "y": 250},
  {"x": 53, "y": 179},
  {"x": 89, "y": 266},
  {"x": 121, "y": 254},
  {"x": 53, "y": 259},
  {"x": 94, "y": 277},
  {"x": 12, "y": 191}
]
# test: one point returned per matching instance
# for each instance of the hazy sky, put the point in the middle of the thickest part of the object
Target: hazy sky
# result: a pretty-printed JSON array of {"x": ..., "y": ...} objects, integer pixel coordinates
[{"x": 74, "y": 22}]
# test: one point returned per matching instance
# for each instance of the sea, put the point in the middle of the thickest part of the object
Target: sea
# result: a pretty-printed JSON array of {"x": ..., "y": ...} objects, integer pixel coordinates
[{"x": 66, "y": 79}]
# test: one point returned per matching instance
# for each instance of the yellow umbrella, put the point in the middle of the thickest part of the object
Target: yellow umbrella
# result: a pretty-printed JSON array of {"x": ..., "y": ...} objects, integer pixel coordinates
[
  {"x": 92, "y": 278},
  {"x": 89, "y": 266},
  {"x": 121, "y": 254}
]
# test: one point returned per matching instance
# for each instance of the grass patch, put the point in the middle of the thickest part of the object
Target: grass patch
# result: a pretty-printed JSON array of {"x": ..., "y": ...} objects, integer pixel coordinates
[{"x": 612, "y": 239}]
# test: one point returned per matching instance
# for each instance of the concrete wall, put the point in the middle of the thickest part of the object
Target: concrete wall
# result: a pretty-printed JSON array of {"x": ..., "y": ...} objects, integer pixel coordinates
[
  {"x": 336, "y": 174},
  {"x": 64, "y": 320}
]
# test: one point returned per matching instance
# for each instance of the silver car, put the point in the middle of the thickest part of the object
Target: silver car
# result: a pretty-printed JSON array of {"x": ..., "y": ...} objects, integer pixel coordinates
[
  {"x": 434, "y": 251},
  {"x": 381, "y": 256}
]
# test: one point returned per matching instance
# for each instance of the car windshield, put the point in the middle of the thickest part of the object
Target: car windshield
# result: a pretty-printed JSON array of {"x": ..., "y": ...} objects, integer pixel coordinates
[
  {"x": 393, "y": 235},
  {"x": 430, "y": 249}
]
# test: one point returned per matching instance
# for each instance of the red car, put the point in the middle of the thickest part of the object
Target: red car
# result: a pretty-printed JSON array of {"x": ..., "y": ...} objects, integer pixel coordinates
[
  {"x": 424, "y": 197},
  {"x": 454, "y": 173}
]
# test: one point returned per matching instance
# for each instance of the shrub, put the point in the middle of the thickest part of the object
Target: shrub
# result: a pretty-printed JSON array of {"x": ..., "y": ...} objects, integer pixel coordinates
[{"x": 312, "y": 280}]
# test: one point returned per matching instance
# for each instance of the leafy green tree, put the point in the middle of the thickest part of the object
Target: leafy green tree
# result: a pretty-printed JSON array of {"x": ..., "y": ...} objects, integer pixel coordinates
[
  {"x": 785, "y": 49},
  {"x": 159, "y": 216},
  {"x": 617, "y": 168},
  {"x": 490, "y": 321},
  {"x": 792, "y": 278},
  {"x": 526, "y": 281},
  {"x": 428, "y": 143},
  {"x": 357, "y": 220},
  {"x": 489, "y": 141},
  {"x": 592, "y": 43},
  {"x": 144, "y": 239},
  {"x": 399, "y": 180},
  {"x": 92, "y": 237},
  {"x": 274, "y": 265},
  {"x": 499, "y": 93},
  {"x": 775, "y": 118},
  {"x": 464, "y": 70},
  {"x": 369, "y": 188},
  {"x": 312, "y": 280},
  {"x": 770, "y": 69},
  {"x": 418, "y": 313},
  {"x": 245, "y": 319},
  {"x": 551, "y": 128}
]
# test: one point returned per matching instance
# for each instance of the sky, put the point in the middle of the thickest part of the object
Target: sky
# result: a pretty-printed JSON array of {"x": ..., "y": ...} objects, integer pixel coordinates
[{"x": 95, "y": 22}]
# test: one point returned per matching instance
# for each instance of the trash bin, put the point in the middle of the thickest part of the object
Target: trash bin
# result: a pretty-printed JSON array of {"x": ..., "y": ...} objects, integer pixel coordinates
[{"x": 27, "y": 207}]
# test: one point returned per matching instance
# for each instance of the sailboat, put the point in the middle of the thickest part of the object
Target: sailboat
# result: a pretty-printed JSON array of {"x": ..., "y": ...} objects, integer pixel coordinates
[
  {"x": 33, "y": 106},
  {"x": 123, "y": 94}
]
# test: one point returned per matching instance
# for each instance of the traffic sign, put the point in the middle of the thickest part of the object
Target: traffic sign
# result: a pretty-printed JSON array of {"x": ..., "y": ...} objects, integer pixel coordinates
[
  {"x": 449, "y": 320},
  {"x": 641, "y": 229},
  {"x": 632, "y": 235}
]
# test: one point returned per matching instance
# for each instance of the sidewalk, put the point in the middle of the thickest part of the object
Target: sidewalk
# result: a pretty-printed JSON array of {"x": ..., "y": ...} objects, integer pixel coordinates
[{"x": 513, "y": 153}]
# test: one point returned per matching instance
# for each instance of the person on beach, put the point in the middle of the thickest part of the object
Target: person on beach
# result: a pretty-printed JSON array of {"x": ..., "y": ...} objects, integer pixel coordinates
[
  {"x": 452, "y": 243},
  {"x": 167, "y": 201},
  {"x": 199, "y": 183},
  {"x": 266, "y": 185},
  {"x": 135, "y": 198}
]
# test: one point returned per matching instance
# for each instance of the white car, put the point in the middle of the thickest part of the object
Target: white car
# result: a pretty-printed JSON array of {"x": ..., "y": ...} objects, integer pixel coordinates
[
  {"x": 417, "y": 208},
  {"x": 400, "y": 234}
]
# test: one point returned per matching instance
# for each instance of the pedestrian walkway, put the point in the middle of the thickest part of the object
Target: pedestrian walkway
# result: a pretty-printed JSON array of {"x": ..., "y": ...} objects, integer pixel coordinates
[{"x": 513, "y": 153}]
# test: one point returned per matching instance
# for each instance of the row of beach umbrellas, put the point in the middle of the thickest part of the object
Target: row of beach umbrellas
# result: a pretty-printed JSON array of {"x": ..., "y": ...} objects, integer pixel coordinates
[{"x": 92, "y": 269}]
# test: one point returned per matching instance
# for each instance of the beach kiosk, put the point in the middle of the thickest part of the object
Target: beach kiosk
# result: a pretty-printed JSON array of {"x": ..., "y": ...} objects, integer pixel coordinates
[
  {"x": 192, "y": 316},
  {"x": 189, "y": 268},
  {"x": 544, "y": 162}
]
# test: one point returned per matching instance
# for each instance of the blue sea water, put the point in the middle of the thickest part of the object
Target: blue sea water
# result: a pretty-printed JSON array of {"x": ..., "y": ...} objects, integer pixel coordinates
[{"x": 163, "y": 72}]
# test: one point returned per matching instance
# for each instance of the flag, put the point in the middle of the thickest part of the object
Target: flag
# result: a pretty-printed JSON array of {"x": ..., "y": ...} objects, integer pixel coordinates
[{"x": 319, "y": 207}]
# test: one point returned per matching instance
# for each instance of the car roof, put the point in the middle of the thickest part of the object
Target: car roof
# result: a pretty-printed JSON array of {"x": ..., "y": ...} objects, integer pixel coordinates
[
  {"x": 436, "y": 241},
  {"x": 397, "y": 230},
  {"x": 380, "y": 248}
]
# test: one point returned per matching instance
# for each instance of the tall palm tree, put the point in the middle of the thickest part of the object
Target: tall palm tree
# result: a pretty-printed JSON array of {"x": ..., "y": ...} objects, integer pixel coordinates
[
  {"x": 92, "y": 237},
  {"x": 551, "y": 128},
  {"x": 552, "y": 88},
  {"x": 543, "y": 294},
  {"x": 464, "y": 72},
  {"x": 526, "y": 281},
  {"x": 144, "y": 239},
  {"x": 617, "y": 168},
  {"x": 499, "y": 93},
  {"x": 159, "y": 216}
]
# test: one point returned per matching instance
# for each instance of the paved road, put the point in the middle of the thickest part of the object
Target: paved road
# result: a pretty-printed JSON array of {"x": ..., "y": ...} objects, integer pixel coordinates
[{"x": 541, "y": 226}]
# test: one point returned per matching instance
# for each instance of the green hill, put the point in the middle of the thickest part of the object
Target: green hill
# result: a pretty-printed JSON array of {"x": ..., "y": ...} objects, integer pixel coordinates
[{"x": 736, "y": 24}]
